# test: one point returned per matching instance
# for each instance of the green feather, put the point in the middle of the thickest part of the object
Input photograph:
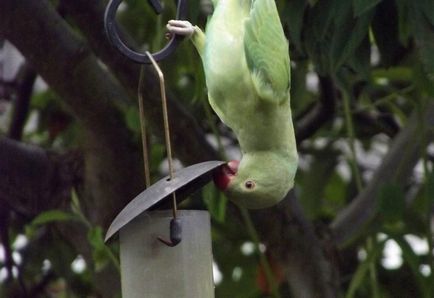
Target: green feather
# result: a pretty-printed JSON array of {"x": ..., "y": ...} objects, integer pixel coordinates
[{"x": 266, "y": 50}]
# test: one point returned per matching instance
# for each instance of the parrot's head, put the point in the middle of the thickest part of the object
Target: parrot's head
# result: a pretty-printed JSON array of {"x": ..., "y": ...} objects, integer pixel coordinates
[{"x": 258, "y": 181}]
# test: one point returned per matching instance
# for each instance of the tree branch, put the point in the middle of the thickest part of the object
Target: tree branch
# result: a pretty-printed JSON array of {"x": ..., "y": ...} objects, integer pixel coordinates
[
  {"x": 293, "y": 243},
  {"x": 24, "y": 86},
  {"x": 5, "y": 241},
  {"x": 75, "y": 70},
  {"x": 88, "y": 91},
  {"x": 396, "y": 167},
  {"x": 367, "y": 125},
  {"x": 33, "y": 179}
]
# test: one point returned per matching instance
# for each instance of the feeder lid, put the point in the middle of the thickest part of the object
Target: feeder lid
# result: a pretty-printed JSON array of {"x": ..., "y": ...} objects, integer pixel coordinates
[{"x": 185, "y": 182}]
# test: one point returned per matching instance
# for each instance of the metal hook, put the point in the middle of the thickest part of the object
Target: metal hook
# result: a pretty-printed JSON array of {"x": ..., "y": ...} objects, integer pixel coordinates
[{"x": 113, "y": 34}]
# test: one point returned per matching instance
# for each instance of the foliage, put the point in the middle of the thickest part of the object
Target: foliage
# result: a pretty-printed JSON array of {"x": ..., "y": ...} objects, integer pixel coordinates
[{"x": 378, "y": 56}]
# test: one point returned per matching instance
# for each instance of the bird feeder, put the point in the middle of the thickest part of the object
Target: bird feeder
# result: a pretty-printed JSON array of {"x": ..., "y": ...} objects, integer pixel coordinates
[{"x": 152, "y": 266}]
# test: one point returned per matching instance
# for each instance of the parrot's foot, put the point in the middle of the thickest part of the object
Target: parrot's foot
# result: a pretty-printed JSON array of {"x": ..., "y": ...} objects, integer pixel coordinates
[{"x": 179, "y": 27}]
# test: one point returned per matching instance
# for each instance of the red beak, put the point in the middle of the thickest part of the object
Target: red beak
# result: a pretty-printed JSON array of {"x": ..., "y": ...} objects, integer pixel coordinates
[{"x": 225, "y": 174}]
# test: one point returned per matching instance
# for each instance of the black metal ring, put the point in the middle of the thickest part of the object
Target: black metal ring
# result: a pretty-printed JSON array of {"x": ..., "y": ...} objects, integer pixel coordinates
[{"x": 111, "y": 29}]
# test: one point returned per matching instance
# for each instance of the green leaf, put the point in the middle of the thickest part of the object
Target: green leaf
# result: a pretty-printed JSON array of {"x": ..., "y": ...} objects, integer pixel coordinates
[
  {"x": 315, "y": 181},
  {"x": 429, "y": 184},
  {"x": 334, "y": 195},
  {"x": 416, "y": 20},
  {"x": 405, "y": 20},
  {"x": 158, "y": 154},
  {"x": 318, "y": 25},
  {"x": 385, "y": 28},
  {"x": 133, "y": 119},
  {"x": 414, "y": 263},
  {"x": 424, "y": 35},
  {"x": 312, "y": 2},
  {"x": 53, "y": 216},
  {"x": 42, "y": 99},
  {"x": 398, "y": 73},
  {"x": 348, "y": 35},
  {"x": 47, "y": 217},
  {"x": 428, "y": 9},
  {"x": 293, "y": 14},
  {"x": 95, "y": 237},
  {"x": 422, "y": 80},
  {"x": 362, "y": 6},
  {"x": 391, "y": 203},
  {"x": 360, "y": 61},
  {"x": 100, "y": 253},
  {"x": 215, "y": 201},
  {"x": 75, "y": 202},
  {"x": 363, "y": 269}
]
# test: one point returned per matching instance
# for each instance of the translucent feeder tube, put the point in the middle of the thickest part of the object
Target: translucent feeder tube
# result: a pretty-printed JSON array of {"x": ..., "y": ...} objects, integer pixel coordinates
[{"x": 153, "y": 270}]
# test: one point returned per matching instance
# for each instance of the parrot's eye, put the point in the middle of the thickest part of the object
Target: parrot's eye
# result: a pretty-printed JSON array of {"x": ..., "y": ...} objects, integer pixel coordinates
[{"x": 249, "y": 184}]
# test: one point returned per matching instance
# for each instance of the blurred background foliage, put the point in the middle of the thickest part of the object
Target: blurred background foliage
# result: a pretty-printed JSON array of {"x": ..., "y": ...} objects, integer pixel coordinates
[{"x": 360, "y": 69}]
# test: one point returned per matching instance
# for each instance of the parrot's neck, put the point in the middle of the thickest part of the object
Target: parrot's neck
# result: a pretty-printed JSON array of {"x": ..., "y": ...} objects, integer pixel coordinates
[
  {"x": 230, "y": 6},
  {"x": 266, "y": 158}
]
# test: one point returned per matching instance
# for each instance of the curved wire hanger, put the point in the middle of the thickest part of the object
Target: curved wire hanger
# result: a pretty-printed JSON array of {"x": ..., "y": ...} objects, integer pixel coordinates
[{"x": 112, "y": 31}]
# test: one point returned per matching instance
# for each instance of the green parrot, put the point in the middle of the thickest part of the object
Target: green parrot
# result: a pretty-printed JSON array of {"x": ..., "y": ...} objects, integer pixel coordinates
[{"x": 247, "y": 69}]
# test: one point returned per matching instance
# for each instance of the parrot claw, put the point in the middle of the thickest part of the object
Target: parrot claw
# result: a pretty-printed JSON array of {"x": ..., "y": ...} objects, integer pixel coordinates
[{"x": 180, "y": 27}]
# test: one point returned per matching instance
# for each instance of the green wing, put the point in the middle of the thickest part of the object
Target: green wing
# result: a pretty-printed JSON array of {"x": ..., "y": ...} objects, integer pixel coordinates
[{"x": 266, "y": 51}]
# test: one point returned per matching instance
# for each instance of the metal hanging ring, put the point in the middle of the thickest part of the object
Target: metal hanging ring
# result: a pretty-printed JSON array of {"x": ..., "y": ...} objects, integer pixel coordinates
[{"x": 112, "y": 31}]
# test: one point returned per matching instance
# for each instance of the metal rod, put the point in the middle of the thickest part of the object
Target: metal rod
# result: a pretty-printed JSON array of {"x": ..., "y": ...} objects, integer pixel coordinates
[
  {"x": 166, "y": 126},
  {"x": 143, "y": 128}
]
